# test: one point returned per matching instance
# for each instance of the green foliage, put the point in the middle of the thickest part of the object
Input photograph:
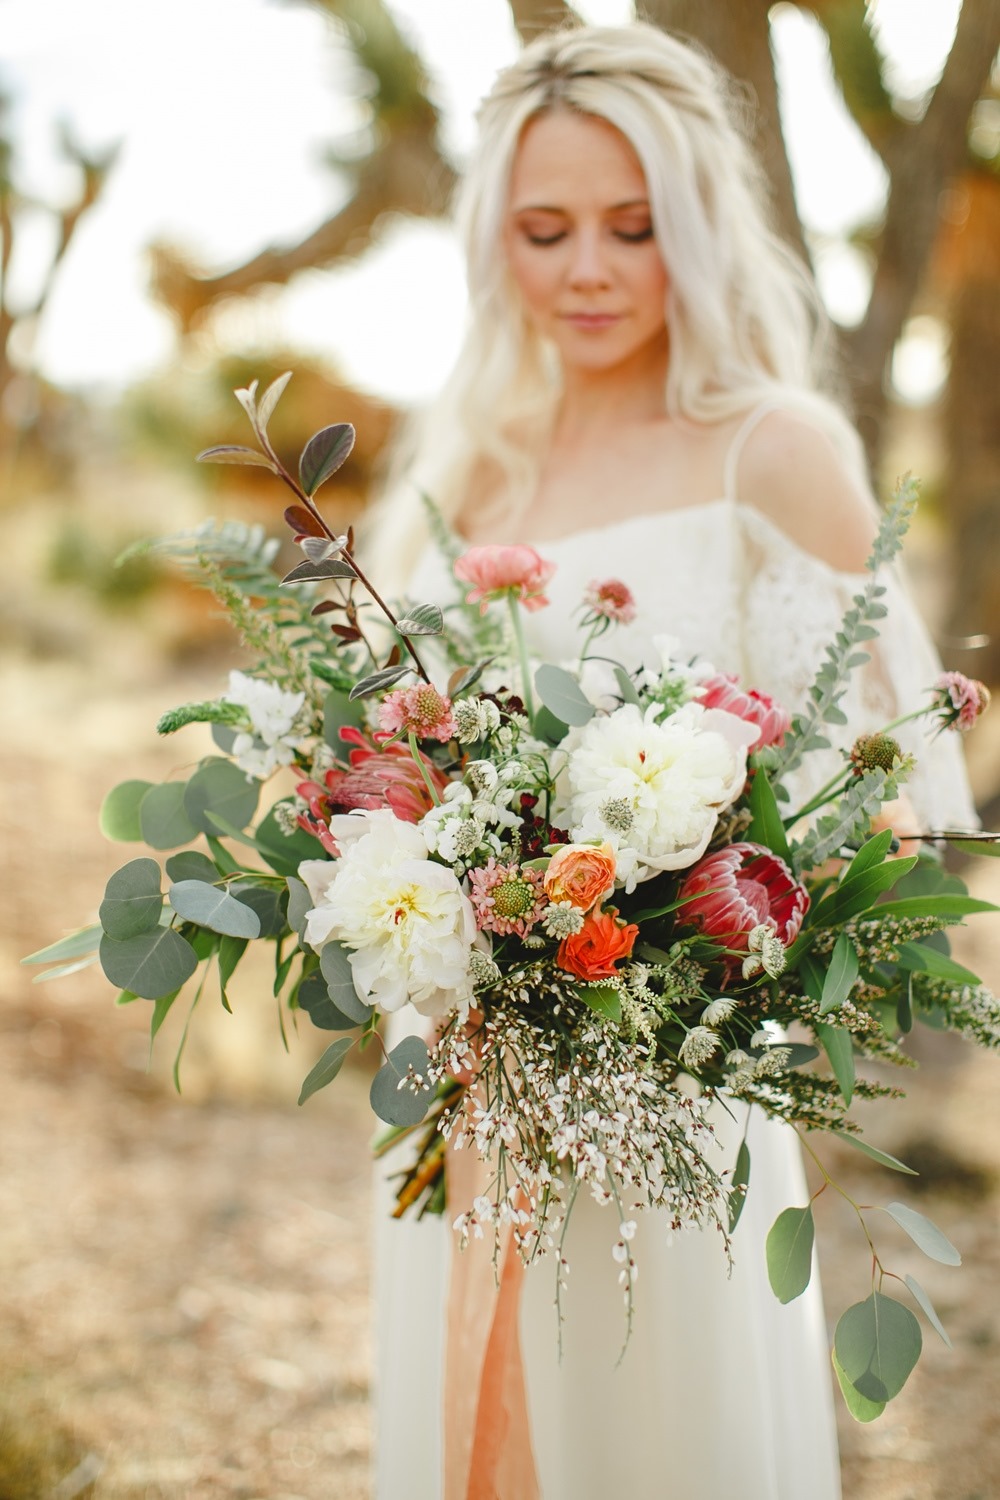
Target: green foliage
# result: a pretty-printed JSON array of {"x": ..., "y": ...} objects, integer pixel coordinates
[
  {"x": 323, "y": 455},
  {"x": 326, "y": 1070},
  {"x": 605, "y": 999},
  {"x": 162, "y": 817},
  {"x": 119, "y": 816},
  {"x": 924, "y": 1234},
  {"x": 740, "y": 1185},
  {"x": 878, "y": 1342},
  {"x": 840, "y": 976},
  {"x": 927, "y": 1307},
  {"x": 132, "y": 900},
  {"x": 767, "y": 827},
  {"x": 562, "y": 695},
  {"x": 220, "y": 789},
  {"x": 336, "y": 969},
  {"x": 393, "y": 1100},
  {"x": 882, "y": 1157},
  {"x": 209, "y": 907},
  {"x": 839, "y": 1046},
  {"x": 789, "y": 1253},
  {"x": 150, "y": 965},
  {"x": 218, "y": 712}
]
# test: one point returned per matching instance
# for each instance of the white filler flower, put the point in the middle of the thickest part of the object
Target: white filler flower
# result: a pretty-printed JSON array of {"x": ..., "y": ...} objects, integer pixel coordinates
[
  {"x": 674, "y": 777},
  {"x": 408, "y": 923},
  {"x": 272, "y": 713}
]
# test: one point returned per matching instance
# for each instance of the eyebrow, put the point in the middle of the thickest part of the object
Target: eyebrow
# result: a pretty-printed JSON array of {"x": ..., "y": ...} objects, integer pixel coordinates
[{"x": 545, "y": 208}]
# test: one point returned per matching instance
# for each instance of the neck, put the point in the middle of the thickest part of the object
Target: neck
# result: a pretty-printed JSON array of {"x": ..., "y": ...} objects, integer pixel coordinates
[{"x": 594, "y": 400}]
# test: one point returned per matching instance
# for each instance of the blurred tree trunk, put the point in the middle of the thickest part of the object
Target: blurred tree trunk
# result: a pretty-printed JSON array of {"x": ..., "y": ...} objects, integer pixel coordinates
[
  {"x": 533, "y": 16},
  {"x": 739, "y": 37},
  {"x": 968, "y": 272}
]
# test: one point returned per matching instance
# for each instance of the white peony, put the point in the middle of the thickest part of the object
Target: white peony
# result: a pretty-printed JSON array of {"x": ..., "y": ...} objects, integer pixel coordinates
[
  {"x": 652, "y": 790},
  {"x": 272, "y": 713},
  {"x": 405, "y": 920}
]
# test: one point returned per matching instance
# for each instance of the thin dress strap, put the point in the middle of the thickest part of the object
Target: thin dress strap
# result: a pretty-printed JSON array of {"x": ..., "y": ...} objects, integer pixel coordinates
[{"x": 736, "y": 447}]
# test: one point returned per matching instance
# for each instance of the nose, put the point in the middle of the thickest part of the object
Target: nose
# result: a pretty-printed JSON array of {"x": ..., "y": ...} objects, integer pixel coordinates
[{"x": 588, "y": 263}]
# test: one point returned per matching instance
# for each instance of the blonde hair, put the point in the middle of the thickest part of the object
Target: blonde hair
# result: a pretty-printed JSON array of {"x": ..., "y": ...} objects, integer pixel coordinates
[{"x": 745, "y": 320}]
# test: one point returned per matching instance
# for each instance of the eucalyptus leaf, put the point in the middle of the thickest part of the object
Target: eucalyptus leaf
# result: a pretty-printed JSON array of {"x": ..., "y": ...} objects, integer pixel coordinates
[
  {"x": 928, "y": 1307},
  {"x": 878, "y": 1342},
  {"x": 267, "y": 902},
  {"x": 394, "y": 1102},
  {"x": 562, "y": 695},
  {"x": 626, "y": 687},
  {"x": 300, "y": 904},
  {"x": 327, "y": 1068},
  {"x": 210, "y": 907},
  {"x": 191, "y": 864},
  {"x": 860, "y": 1408},
  {"x": 323, "y": 455},
  {"x": 740, "y": 1184},
  {"x": 221, "y": 788},
  {"x": 231, "y": 950},
  {"x": 151, "y": 965},
  {"x": 840, "y": 976},
  {"x": 132, "y": 900},
  {"x": 839, "y": 1046},
  {"x": 548, "y": 728},
  {"x": 160, "y": 1010},
  {"x": 925, "y": 1234},
  {"x": 882, "y": 1157},
  {"x": 119, "y": 817},
  {"x": 163, "y": 819},
  {"x": 80, "y": 944},
  {"x": 335, "y": 967},
  {"x": 314, "y": 998},
  {"x": 789, "y": 1253}
]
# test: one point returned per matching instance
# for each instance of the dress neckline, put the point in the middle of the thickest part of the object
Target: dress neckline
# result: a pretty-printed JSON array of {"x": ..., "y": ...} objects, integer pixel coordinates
[{"x": 587, "y": 534}]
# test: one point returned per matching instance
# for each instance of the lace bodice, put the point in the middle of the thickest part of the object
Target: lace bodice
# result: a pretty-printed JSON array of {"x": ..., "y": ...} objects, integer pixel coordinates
[{"x": 736, "y": 590}]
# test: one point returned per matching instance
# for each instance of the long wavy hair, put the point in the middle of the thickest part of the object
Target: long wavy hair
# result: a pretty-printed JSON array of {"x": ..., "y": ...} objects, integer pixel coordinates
[{"x": 745, "y": 320}]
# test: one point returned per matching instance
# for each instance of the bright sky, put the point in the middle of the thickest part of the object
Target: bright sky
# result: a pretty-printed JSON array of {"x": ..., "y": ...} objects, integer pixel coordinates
[{"x": 225, "y": 107}]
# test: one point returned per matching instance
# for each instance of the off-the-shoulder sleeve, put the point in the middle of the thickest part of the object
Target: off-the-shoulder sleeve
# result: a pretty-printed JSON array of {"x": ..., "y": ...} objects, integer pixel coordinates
[{"x": 793, "y": 604}]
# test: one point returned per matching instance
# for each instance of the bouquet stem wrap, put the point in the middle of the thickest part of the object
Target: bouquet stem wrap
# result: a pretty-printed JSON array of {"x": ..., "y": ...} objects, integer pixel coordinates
[{"x": 487, "y": 1435}]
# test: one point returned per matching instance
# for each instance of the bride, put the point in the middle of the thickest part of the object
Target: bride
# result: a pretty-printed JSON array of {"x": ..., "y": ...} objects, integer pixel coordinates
[{"x": 639, "y": 396}]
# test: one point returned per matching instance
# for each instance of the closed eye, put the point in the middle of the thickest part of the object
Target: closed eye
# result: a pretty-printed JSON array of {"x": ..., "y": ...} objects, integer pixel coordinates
[
  {"x": 636, "y": 238},
  {"x": 545, "y": 239}
]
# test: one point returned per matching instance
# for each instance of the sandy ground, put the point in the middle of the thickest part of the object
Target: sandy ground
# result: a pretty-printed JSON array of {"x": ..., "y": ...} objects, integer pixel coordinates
[{"x": 184, "y": 1306}]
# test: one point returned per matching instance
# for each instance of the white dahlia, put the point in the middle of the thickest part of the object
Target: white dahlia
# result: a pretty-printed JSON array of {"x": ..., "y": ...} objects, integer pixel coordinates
[
  {"x": 652, "y": 790},
  {"x": 405, "y": 920}
]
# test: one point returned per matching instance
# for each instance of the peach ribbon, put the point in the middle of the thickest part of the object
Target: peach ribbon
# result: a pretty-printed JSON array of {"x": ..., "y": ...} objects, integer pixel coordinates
[{"x": 487, "y": 1433}]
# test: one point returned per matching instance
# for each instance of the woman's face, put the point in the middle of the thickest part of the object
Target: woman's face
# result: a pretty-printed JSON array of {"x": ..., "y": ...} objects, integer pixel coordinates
[{"x": 579, "y": 241}]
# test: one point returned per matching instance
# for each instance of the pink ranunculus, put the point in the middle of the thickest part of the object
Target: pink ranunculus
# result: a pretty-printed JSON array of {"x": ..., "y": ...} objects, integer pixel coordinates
[
  {"x": 722, "y": 691},
  {"x": 385, "y": 776},
  {"x": 738, "y": 888},
  {"x": 494, "y": 571},
  {"x": 959, "y": 700}
]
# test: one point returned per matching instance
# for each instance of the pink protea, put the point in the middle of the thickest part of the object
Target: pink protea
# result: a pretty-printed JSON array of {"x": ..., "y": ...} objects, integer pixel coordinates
[
  {"x": 378, "y": 776},
  {"x": 419, "y": 710},
  {"x": 494, "y": 571},
  {"x": 738, "y": 888},
  {"x": 959, "y": 700},
  {"x": 723, "y": 691},
  {"x": 610, "y": 600},
  {"x": 506, "y": 898}
]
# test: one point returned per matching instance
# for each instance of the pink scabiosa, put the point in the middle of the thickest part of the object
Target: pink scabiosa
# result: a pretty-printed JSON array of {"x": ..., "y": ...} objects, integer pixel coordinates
[
  {"x": 611, "y": 600},
  {"x": 959, "y": 700},
  {"x": 737, "y": 889},
  {"x": 724, "y": 691},
  {"x": 506, "y": 898},
  {"x": 419, "y": 710},
  {"x": 517, "y": 571}
]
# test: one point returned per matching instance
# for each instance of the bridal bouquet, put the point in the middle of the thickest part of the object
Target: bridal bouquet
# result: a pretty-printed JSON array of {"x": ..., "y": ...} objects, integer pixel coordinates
[{"x": 587, "y": 882}]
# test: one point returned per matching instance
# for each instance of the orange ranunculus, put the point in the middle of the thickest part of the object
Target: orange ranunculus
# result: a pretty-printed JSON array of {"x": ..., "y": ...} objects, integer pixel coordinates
[
  {"x": 581, "y": 874},
  {"x": 593, "y": 951}
]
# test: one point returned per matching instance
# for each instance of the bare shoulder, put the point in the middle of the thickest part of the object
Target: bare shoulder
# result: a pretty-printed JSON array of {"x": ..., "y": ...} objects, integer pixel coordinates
[{"x": 791, "y": 471}]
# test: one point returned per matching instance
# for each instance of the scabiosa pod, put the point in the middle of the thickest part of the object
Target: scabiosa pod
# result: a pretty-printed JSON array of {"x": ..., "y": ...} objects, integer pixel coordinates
[
  {"x": 874, "y": 752},
  {"x": 421, "y": 711},
  {"x": 610, "y": 600}
]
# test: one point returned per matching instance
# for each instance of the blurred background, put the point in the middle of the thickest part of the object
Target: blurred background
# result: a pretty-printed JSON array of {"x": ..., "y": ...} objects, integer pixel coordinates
[{"x": 195, "y": 195}]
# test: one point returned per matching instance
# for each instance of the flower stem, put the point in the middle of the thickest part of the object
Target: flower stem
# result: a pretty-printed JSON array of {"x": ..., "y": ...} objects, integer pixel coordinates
[
  {"x": 418, "y": 758},
  {"x": 522, "y": 651}
]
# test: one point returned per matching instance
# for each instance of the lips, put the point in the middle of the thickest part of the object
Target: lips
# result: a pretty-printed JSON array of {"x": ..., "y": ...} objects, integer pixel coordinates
[{"x": 591, "y": 319}]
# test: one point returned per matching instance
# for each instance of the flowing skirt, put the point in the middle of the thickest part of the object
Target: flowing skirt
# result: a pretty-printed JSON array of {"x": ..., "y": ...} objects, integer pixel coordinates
[{"x": 722, "y": 1391}]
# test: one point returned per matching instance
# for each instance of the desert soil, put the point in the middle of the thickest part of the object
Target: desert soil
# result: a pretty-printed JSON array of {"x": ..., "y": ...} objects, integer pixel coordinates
[{"x": 184, "y": 1311}]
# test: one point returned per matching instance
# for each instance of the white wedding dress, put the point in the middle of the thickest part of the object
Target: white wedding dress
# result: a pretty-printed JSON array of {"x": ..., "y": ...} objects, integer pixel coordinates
[{"x": 723, "y": 1393}]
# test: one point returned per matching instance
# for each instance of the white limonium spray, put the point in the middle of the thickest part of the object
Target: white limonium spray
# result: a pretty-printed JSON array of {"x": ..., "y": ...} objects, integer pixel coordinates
[
  {"x": 652, "y": 789},
  {"x": 404, "y": 919},
  {"x": 273, "y": 736}
]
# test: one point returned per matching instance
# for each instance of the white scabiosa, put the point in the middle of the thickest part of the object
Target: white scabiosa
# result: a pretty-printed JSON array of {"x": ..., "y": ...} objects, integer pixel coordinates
[
  {"x": 404, "y": 919},
  {"x": 652, "y": 790}
]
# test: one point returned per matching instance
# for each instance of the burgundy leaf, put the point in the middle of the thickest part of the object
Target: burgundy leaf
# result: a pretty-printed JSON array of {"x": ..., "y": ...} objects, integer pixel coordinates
[{"x": 302, "y": 521}]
